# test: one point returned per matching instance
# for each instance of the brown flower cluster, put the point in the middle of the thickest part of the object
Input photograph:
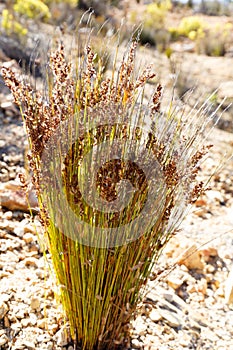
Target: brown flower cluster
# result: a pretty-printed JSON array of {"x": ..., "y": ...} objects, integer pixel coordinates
[{"x": 74, "y": 91}]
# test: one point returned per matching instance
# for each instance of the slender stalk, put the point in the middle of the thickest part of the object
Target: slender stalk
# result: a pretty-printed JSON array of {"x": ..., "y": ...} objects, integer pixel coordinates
[{"x": 86, "y": 131}]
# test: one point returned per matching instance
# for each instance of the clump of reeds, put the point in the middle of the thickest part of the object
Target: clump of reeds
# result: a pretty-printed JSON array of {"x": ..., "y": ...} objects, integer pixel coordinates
[{"x": 89, "y": 131}]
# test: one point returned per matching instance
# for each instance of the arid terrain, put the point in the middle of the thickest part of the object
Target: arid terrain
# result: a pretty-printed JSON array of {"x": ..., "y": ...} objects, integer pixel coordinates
[{"x": 190, "y": 304}]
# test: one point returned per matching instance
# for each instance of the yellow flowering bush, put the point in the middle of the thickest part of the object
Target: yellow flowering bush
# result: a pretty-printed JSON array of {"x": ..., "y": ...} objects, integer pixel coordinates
[
  {"x": 32, "y": 9},
  {"x": 155, "y": 13},
  {"x": 15, "y": 16},
  {"x": 154, "y": 31},
  {"x": 213, "y": 41},
  {"x": 11, "y": 25},
  {"x": 190, "y": 26}
]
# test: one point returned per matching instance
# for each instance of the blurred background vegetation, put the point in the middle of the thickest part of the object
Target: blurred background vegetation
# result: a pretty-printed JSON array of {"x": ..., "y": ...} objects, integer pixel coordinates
[{"x": 164, "y": 22}]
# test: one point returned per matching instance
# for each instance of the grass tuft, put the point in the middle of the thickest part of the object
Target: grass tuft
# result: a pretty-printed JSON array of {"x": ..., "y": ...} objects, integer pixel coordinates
[{"x": 114, "y": 178}]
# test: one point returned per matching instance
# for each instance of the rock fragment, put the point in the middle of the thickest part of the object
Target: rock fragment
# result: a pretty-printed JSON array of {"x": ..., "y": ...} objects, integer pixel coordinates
[
  {"x": 13, "y": 197},
  {"x": 35, "y": 303},
  {"x": 155, "y": 315},
  {"x": 229, "y": 288},
  {"x": 3, "y": 340},
  {"x": 191, "y": 258},
  {"x": 171, "y": 318},
  {"x": 3, "y": 309},
  {"x": 61, "y": 337}
]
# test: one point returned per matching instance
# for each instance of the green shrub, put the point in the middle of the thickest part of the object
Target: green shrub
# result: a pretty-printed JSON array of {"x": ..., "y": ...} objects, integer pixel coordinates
[
  {"x": 153, "y": 21},
  {"x": 214, "y": 41},
  {"x": 155, "y": 13},
  {"x": 34, "y": 9},
  {"x": 189, "y": 25},
  {"x": 15, "y": 16},
  {"x": 11, "y": 26}
]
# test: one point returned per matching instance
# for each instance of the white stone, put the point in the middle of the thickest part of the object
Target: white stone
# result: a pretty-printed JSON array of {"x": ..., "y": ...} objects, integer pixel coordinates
[
  {"x": 174, "y": 282},
  {"x": 28, "y": 237},
  {"x": 136, "y": 344},
  {"x": 30, "y": 345},
  {"x": 155, "y": 316},
  {"x": 25, "y": 322},
  {"x": 33, "y": 319},
  {"x": 3, "y": 340},
  {"x": 171, "y": 318},
  {"x": 61, "y": 337}
]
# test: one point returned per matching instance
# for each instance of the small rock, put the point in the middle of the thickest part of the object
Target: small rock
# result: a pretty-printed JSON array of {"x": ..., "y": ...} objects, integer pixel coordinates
[
  {"x": 7, "y": 104},
  {"x": 220, "y": 292},
  {"x": 175, "y": 299},
  {"x": 35, "y": 303},
  {"x": 209, "y": 269},
  {"x": 191, "y": 258},
  {"x": 42, "y": 323},
  {"x": 53, "y": 328},
  {"x": 174, "y": 282},
  {"x": 136, "y": 344},
  {"x": 3, "y": 309},
  {"x": 33, "y": 319},
  {"x": 6, "y": 297},
  {"x": 155, "y": 316},
  {"x": 209, "y": 253},
  {"x": 13, "y": 197},
  {"x": 214, "y": 195},
  {"x": 30, "y": 345},
  {"x": 61, "y": 337},
  {"x": 184, "y": 341},
  {"x": 202, "y": 286},
  {"x": 20, "y": 314},
  {"x": 192, "y": 288},
  {"x": 2, "y": 331},
  {"x": 140, "y": 326},
  {"x": 29, "y": 228},
  {"x": 19, "y": 231},
  {"x": 28, "y": 237},
  {"x": 199, "y": 317},
  {"x": 31, "y": 262},
  {"x": 3, "y": 340},
  {"x": 43, "y": 338},
  {"x": 6, "y": 322},
  {"x": 25, "y": 322},
  {"x": 229, "y": 288},
  {"x": 171, "y": 318},
  {"x": 8, "y": 215},
  {"x": 2, "y": 143},
  {"x": 16, "y": 326},
  {"x": 200, "y": 202}
]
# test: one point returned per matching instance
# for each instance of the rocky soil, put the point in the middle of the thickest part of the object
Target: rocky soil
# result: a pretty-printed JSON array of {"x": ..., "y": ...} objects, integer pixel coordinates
[{"x": 188, "y": 306}]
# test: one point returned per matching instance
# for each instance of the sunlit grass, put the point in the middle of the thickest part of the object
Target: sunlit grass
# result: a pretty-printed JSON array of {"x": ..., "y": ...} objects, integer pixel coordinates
[{"x": 103, "y": 258}]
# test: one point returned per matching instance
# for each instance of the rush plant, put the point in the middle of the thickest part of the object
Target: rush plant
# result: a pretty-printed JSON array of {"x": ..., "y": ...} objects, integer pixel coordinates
[{"x": 114, "y": 177}]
